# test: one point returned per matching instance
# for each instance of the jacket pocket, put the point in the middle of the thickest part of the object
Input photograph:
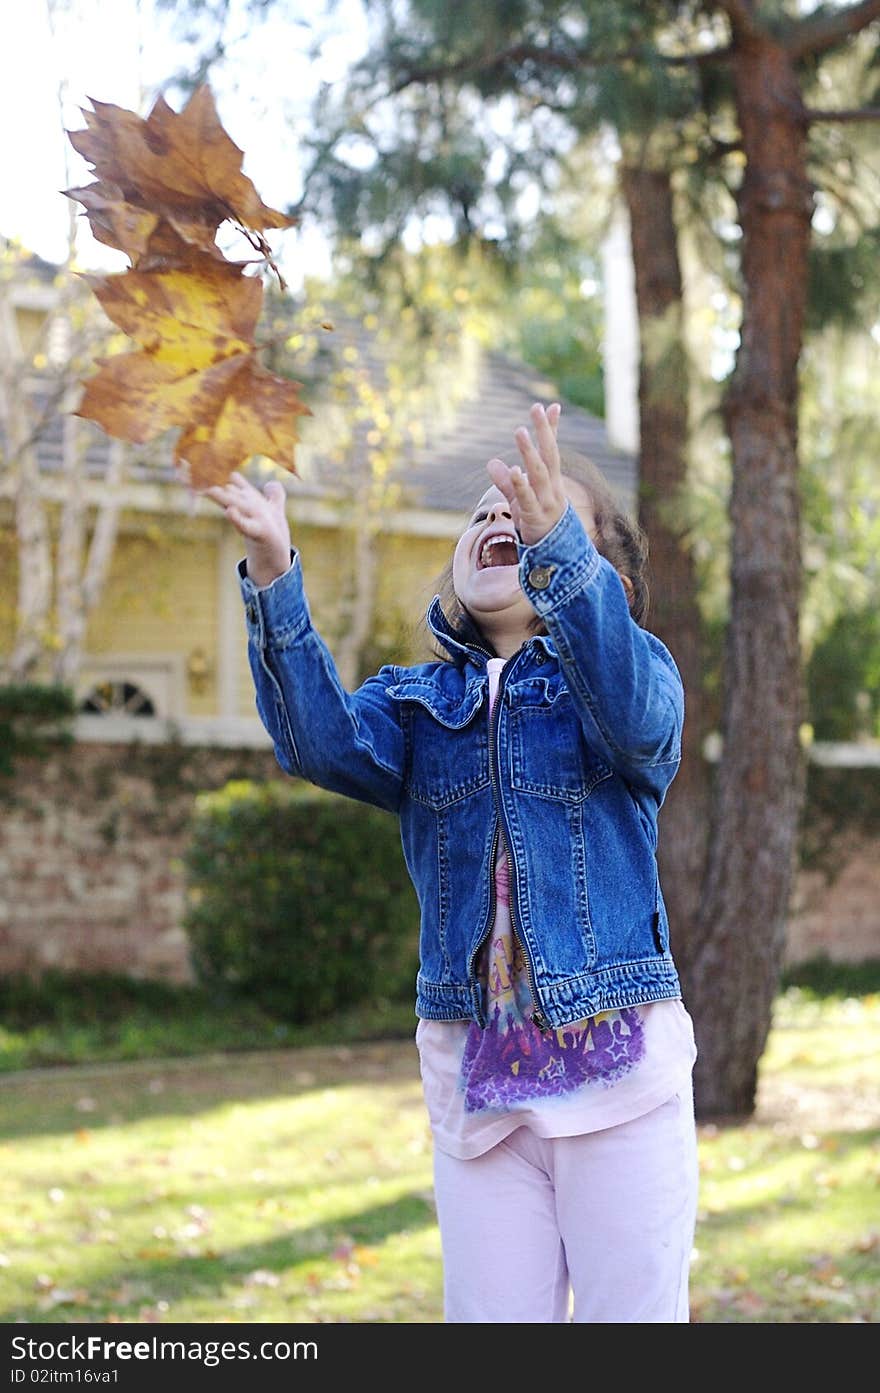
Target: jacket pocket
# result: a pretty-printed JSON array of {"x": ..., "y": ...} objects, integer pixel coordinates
[
  {"x": 548, "y": 753},
  {"x": 447, "y": 744}
]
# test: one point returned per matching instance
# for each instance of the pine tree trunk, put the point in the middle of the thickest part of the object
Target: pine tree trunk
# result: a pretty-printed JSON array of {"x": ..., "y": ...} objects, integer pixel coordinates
[
  {"x": 674, "y": 615},
  {"x": 760, "y": 780}
]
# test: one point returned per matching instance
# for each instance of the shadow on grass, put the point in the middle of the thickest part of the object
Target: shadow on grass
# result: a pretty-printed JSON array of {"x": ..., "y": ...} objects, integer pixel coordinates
[
  {"x": 48, "y": 1102},
  {"x": 737, "y": 1216},
  {"x": 209, "y": 1275}
]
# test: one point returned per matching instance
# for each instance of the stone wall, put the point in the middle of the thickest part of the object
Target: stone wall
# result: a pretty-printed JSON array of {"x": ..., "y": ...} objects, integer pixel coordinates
[
  {"x": 91, "y": 840},
  {"x": 838, "y": 915},
  {"x": 91, "y": 871}
]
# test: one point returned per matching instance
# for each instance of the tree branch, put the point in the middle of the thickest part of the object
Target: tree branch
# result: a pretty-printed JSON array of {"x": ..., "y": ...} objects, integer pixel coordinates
[
  {"x": 816, "y": 34},
  {"x": 867, "y": 113},
  {"x": 741, "y": 14},
  {"x": 571, "y": 61}
]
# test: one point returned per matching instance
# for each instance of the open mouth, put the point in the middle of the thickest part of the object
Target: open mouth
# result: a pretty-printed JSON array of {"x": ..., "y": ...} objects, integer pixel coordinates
[{"x": 498, "y": 551}]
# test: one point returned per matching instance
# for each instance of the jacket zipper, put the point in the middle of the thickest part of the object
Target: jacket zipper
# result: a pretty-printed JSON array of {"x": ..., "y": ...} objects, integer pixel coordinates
[{"x": 537, "y": 1017}]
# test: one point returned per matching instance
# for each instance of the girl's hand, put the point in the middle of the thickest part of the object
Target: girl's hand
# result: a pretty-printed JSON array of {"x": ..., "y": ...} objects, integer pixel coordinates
[
  {"x": 260, "y": 517},
  {"x": 537, "y": 496}
]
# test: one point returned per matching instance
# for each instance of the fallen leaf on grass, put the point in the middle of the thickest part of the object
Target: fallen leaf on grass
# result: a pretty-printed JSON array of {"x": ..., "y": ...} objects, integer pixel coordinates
[
  {"x": 60, "y": 1296},
  {"x": 261, "y": 1277},
  {"x": 823, "y": 1268},
  {"x": 867, "y": 1243},
  {"x": 365, "y": 1257},
  {"x": 750, "y": 1303}
]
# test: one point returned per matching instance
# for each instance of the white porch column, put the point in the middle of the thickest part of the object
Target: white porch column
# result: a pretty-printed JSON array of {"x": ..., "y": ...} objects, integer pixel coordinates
[
  {"x": 620, "y": 354},
  {"x": 230, "y": 623}
]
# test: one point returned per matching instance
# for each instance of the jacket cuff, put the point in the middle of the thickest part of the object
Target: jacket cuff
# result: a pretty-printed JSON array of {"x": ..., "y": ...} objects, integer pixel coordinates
[
  {"x": 277, "y": 612},
  {"x": 559, "y": 565}
]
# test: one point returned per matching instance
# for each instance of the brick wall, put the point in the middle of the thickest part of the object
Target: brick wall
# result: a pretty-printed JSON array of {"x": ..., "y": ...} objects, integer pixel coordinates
[{"x": 91, "y": 876}]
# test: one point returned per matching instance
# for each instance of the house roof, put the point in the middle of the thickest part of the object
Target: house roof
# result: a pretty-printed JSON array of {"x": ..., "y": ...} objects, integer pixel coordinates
[{"x": 449, "y": 471}]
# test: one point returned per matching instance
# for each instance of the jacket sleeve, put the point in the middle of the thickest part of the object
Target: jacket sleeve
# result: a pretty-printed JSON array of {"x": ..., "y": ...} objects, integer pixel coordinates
[
  {"x": 348, "y": 742},
  {"x": 624, "y": 681}
]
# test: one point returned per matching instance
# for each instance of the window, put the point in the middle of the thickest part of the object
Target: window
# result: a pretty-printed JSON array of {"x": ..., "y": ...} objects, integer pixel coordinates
[{"x": 117, "y": 698}]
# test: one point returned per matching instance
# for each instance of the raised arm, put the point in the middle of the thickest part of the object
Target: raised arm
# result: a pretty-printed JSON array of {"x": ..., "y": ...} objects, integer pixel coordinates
[
  {"x": 624, "y": 681},
  {"x": 349, "y": 742}
]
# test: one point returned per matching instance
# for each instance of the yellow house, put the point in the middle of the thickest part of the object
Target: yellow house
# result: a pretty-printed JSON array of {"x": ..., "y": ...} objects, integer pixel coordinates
[{"x": 164, "y": 651}]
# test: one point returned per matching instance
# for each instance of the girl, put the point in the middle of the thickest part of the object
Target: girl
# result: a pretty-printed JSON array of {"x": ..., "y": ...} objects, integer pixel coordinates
[{"x": 527, "y": 768}]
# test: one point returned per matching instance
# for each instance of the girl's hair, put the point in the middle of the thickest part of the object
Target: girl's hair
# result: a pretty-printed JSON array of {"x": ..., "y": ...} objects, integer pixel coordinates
[{"x": 618, "y": 538}]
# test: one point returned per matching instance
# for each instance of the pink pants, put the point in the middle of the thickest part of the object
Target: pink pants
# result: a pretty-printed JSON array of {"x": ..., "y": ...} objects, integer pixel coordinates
[{"x": 606, "y": 1218}]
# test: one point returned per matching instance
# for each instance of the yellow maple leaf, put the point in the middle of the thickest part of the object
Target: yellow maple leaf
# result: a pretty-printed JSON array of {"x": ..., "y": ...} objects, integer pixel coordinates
[{"x": 196, "y": 368}]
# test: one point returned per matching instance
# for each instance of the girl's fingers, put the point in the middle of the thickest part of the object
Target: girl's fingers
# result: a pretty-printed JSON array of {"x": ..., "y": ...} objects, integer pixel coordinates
[
  {"x": 526, "y": 503},
  {"x": 545, "y": 431},
  {"x": 274, "y": 492},
  {"x": 524, "y": 489},
  {"x": 500, "y": 475},
  {"x": 248, "y": 526},
  {"x": 219, "y": 493},
  {"x": 535, "y": 467}
]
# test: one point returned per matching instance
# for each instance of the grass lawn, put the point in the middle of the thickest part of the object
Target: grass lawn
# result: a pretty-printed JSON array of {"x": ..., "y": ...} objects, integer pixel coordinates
[{"x": 294, "y": 1185}]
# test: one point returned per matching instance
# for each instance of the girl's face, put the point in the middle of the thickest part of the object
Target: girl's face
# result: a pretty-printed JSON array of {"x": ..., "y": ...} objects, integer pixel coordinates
[{"x": 485, "y": 568}]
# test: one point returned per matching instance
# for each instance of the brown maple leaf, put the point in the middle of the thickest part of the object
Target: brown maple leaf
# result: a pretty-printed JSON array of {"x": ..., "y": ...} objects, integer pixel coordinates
[
  {"x": 196, "y": 368},
  {"x": 182, "y": 165},
  {"x": 147, "y": 238}
]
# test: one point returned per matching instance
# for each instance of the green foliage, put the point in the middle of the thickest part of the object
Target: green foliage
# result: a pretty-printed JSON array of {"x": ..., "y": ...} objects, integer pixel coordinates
[
  {"x": 840, "y": 491},
  {"x": 843, "y": 678},
  {"x": 32, "y": 717},
  {"x": 66, "y": 1018},
  {"x": 821, "y": 979},
  {"x": 555, "y": 320},
  {"x": 843, "y": 283},
  {"x": 299, "y": 900},
  {"x": 841, "y": 805},
  {"x": 84, "y": 998},
  {"x": 78, "y": 1018}
]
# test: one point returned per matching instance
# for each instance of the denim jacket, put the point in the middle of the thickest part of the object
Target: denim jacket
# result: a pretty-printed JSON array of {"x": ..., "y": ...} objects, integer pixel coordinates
[{"x": 571, "y": 772}]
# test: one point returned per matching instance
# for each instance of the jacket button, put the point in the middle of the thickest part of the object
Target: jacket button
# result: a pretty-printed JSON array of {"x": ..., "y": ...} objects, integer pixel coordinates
[
  {"x": 540, "y": 657},
  {"x": 539, "y": 577},
  {"x": 250, "y": 610}
]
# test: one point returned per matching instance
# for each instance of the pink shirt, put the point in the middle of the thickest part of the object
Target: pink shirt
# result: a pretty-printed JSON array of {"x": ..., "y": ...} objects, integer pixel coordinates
[{"x": 482, "y": 1084}]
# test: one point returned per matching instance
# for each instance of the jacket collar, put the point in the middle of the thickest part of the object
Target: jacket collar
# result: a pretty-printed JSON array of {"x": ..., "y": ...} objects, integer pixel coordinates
[{"x": 459, "y": 648}]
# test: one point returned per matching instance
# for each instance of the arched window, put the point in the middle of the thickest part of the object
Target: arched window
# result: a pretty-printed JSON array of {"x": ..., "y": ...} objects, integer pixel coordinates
[{"x": 117, "y": 698}]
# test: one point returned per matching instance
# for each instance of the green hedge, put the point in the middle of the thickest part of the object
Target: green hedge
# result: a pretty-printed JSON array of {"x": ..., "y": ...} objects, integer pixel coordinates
[
  {"x": 33, "y": 721},
  {"x": 299, "y": 900}
]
